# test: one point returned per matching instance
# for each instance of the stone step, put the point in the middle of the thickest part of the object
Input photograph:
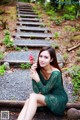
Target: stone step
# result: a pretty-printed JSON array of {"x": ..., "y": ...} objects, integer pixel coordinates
[
  {"x": 30, "y": 23},
  {"x": 25, "y": 7},
  {"x": 32, "y": 35},
  {"x": 28, "y": 10},
  {"x": 29, "y": 19},
  {"x": 24, "y": 12},
  {"x": 27, "y": 16},
  {"x": 17, "y": 57},
  {"x": 32, "y": 29},
  {"x": 15, "y": 85},
  {"x": 33, "y": 43}
]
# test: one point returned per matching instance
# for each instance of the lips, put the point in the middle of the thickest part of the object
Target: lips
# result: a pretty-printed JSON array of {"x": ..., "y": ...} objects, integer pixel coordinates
[{"x": 41, "y": 63}]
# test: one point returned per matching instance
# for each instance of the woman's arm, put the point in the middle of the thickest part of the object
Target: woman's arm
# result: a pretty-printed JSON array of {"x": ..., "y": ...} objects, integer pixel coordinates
[
  {"x": 44, "y": 89},
  {"x": 35, "y": 87}
]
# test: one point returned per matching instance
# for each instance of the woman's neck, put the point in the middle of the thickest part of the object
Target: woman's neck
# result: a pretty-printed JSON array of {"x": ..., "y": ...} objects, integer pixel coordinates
[{"x": 47, "y": 69}]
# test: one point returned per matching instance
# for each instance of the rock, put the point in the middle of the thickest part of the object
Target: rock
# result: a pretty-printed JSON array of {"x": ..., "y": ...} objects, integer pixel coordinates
[
  {"x": 61, "y": 65},
  {"x": 73, "y": 114},
  {"x": 7, "y": 66},
  {"x": 2, "y": 49}
]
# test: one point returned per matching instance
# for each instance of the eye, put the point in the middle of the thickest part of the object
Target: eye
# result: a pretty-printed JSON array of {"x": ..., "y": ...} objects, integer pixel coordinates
[
  {"x": 46, "y": 57},
  {"x": 40, "y": 56}
]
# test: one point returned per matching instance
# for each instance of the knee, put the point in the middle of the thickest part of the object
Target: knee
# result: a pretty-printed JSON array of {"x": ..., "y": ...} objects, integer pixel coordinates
[{"x": 33, "y": 96}]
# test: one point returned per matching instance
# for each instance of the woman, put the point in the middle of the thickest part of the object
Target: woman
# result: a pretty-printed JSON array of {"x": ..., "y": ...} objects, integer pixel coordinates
[{"x": 47, "y": 85}]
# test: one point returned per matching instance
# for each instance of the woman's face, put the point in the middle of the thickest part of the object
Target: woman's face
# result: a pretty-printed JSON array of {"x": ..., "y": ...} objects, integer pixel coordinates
[{"x": 44, "y": 59}]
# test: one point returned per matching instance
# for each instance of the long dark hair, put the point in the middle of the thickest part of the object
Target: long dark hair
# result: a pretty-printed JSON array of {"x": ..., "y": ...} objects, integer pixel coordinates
[{"x": 52, "y": 53}]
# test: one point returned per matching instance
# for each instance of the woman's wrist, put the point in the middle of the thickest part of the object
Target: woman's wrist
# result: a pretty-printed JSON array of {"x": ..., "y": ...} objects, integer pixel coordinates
[{"x": 38, "y": 80}]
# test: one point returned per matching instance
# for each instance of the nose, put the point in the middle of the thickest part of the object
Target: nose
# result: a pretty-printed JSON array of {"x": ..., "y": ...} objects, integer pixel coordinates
[{"x": 42, "y": 59}]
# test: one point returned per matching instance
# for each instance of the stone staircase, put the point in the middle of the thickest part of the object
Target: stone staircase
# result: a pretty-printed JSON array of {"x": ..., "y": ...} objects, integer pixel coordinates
[{"x": 15, "y": 85}]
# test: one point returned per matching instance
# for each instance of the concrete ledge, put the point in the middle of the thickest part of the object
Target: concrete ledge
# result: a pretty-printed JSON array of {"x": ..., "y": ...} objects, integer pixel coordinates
[{"x": 19, "y": 104}]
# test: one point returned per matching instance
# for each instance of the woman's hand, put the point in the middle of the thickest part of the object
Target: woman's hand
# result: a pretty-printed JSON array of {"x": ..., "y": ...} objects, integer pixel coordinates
[
  {"x": 34, "y": 66},
  {"x": 34, "y": 75}
]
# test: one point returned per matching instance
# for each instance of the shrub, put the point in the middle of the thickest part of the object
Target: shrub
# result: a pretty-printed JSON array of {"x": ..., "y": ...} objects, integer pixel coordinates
[
  {"x": 2, "y": 70},
  {"x": 75, "y": 74}
]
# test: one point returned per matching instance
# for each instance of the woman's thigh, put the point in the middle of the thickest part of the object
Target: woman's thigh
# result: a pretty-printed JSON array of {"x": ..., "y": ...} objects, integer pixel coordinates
[{"x": 39, "y": 98}]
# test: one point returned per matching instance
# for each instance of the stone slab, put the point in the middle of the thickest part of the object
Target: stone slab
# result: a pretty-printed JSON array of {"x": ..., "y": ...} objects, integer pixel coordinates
[
  {"x": 28, "y": 10},
  {"x": 29, "y": 19},
  {"x": 15, "y": 85},
  {"x": 20, "y": 56},
  {"x": 24, "y": 12},
  {"x": 32, "y": 29},
  {"x": 30, "y": 23},
  {"x": 24, "y": 6},
  {"x": 33, "y": 43},
  {"x": 32, "y": 35},
  {"x": 27, "y": 15}
]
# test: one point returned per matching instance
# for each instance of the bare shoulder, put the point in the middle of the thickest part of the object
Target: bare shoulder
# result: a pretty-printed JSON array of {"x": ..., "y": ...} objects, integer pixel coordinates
[{"x": 55, "y": 69}]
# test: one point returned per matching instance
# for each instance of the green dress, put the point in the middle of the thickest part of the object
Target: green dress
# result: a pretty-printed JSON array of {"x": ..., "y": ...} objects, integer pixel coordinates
[{"x": 53, "y": 90}]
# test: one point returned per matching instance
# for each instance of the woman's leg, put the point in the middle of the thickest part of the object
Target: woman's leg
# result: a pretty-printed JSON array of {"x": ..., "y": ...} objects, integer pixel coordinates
[
  {"x": 23, "y": 111},
  {"x": 35, "y": 100}
]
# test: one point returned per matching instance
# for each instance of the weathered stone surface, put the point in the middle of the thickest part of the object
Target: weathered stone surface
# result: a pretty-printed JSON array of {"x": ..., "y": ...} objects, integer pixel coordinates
[
  {"x": 27, "y": 15},
  {"x": 15, "y": 85},
  {"x": 32, "y": 29},
  {"x": 22, "y": 9},
  {"x": 32, "y": 35},
  {"x": 30, "y": 23},
  {"x": 20, "y": 57},
  {"x": 24, "y": 12},
  {"x": 73, "y": 114},
  {"x": 33, "y": 43},
  {"x": 29, "y": 19}
]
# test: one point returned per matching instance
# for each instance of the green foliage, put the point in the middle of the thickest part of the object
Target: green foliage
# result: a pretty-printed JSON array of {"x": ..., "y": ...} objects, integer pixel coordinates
[
  {"x": 2, "y": 70},
  {"x": 55, "y": 46},
  {"x": 65, "y": 56},
  {"x": 70, "y": 9},
  {"x": 7, "y": 40},
  {"x": 68, "y": 17},
  {"x": 1, "y": 55},
  {"x": 58, "y": 20},
  {"x": 18, "y": 48},
  {"x": 25, "y": 66},
  {"x": 75, "y": 74},
  {"x": 25, "y": 48},
  {"x": 56, "y": 35}
]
